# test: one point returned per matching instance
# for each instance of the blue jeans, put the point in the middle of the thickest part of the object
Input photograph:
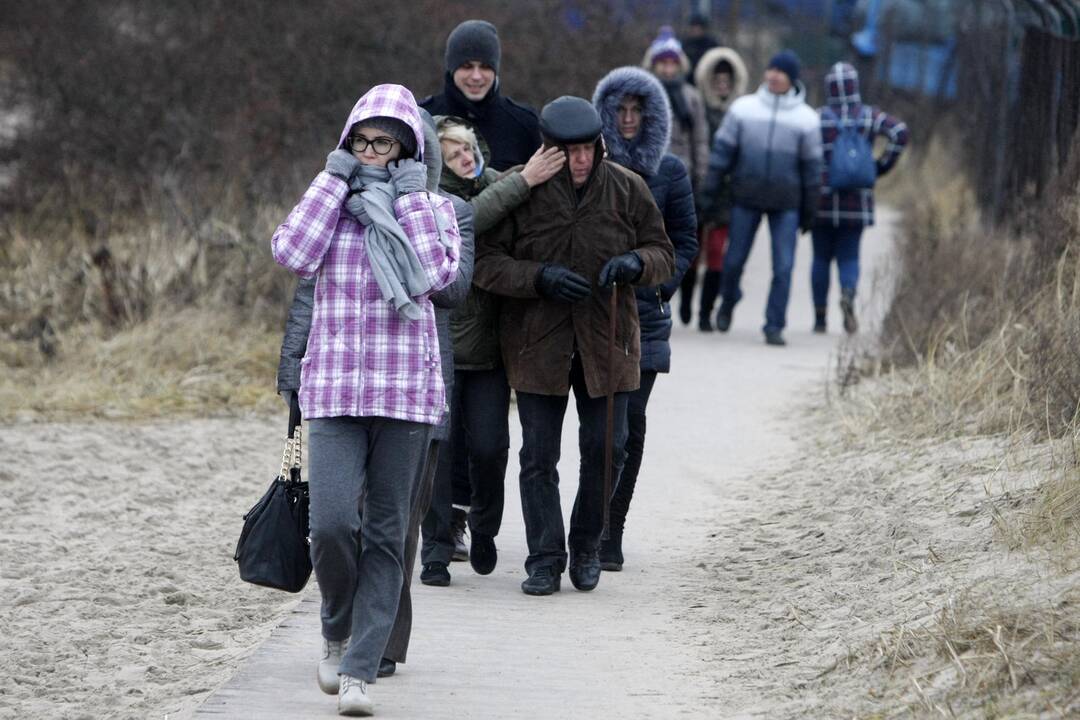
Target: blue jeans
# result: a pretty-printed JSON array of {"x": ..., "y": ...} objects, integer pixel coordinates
[
  {"x": 841, "y": 244},
  {"x": 784, "y": 230},
  {"x": 541, "y": 434}
]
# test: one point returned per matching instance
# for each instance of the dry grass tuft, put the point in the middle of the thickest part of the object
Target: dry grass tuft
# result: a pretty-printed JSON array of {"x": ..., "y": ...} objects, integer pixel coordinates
[{"x": 193, "y": 362}]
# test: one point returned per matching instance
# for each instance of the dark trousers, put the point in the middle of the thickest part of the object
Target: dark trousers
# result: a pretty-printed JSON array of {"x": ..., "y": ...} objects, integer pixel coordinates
[
  {"x": 635, "y": 450},
  {"x": 842, "y": 245},
  {"x": 541, "y": 431},
  {"x": 481, "y": 440},
  {"x": 438, "y": 539},
  {"x": 397, "y": 647}
]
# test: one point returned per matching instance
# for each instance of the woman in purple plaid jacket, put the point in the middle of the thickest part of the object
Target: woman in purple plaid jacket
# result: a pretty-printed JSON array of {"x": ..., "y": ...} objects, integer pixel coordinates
[
  {"x": 370, "y": 382},
  {"x": 842, "y": 214}
]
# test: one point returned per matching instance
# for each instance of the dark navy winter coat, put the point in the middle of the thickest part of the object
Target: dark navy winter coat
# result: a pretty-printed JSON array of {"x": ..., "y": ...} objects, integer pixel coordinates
[{"x": 666, "y": 177}]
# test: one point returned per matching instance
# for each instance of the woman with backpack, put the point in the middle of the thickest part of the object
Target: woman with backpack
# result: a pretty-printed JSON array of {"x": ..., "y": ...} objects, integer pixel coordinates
[{"x": 846, "y": 206}]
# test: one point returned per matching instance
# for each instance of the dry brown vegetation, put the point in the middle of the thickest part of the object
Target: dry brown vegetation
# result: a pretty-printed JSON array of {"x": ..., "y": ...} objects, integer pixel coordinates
[{"x": 982, "y": 340}]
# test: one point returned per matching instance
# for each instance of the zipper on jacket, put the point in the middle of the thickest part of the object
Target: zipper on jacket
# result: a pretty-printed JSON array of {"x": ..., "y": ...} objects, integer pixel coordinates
[{"x": 768, "y": 144}]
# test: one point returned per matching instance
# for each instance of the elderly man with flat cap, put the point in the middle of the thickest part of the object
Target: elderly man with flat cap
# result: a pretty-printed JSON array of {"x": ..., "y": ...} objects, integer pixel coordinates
[{"x": 588, "y": 232}]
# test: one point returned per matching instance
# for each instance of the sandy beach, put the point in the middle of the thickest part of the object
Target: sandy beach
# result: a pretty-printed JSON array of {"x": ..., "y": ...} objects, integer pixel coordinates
[{"x": 121, "y": 598}]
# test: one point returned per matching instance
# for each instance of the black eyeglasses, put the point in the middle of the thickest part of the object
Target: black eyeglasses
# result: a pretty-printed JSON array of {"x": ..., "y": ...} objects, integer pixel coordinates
[{"x": 381, "y": 145}]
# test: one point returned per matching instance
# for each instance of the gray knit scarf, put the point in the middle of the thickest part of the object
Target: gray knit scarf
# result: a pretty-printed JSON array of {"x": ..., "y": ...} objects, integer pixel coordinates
[{"x": 394, "y": 262}]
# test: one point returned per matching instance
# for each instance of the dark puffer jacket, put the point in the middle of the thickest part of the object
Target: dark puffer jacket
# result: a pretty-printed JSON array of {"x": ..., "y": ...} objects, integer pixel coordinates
[
  {"x": 669, "y": 183},
  {"x": 512, "y": 131}
]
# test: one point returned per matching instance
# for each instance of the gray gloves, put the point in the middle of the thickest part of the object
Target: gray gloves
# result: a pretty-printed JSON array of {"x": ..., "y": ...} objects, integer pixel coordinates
[
  {"x": 342, "y": 164},
  {"x": 408, "y": 176},
  {"x": 288, "y": 396},
  {"x": 559, "y": 283}
]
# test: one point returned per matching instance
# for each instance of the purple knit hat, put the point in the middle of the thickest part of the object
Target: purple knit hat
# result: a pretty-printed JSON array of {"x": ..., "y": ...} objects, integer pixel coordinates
[{"x": 665, "y": 46}]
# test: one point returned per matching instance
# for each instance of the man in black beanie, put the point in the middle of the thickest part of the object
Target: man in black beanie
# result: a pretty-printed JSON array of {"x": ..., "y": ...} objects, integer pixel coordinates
[
  {"x": 471, "y": 91},
  {"x": 582, "y": 235}
]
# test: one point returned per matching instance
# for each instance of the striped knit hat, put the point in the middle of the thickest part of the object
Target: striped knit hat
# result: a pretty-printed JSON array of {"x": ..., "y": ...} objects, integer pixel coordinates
[{"x": 665, "y": 46}]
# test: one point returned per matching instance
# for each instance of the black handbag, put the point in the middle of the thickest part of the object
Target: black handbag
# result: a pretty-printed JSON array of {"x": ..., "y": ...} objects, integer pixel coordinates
[{"x": 273, "y": 550}]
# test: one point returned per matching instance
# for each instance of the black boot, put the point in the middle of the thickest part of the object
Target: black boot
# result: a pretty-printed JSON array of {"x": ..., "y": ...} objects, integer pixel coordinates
[
  {"x": 543, "y": 580},
  {"x": 584, "y": 570},
  {"x": 819, "y": 320},
  {"x": 847, "y": 307},
  {"x": 611, "y": 557},
  {"x": 457, "y": 531},
  {"x": 710, "y": 289}
]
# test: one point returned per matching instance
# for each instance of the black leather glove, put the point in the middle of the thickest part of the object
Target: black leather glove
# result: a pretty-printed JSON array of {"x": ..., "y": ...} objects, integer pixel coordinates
[
  {"x": 559, "y": 283},
  {"x": 623, "y": 269}
]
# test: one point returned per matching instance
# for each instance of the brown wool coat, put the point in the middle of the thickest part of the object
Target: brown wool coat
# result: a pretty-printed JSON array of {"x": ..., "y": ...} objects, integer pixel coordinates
[{"x": 538, "y": 336}]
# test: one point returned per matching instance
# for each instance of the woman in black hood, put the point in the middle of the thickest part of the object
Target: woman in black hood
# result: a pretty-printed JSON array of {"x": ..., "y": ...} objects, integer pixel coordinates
[{"x": 636, "y": 125}]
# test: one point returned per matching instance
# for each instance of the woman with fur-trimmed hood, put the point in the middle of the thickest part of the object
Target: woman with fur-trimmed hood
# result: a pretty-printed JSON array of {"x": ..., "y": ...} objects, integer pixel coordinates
[
  {"x": 721, "y": 78},
  {"x": 636, "y": 125}
]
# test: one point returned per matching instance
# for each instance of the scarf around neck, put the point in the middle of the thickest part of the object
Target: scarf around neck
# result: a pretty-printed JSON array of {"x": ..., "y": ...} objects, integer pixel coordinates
[
  {"x": 394, "y": 262},
  {"x": 679, "y": 107}
]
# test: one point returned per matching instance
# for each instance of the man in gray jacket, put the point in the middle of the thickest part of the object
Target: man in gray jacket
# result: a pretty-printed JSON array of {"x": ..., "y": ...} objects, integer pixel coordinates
[
  {"x": 770, "y": 143},
  {"x": 294, "y": 346}
]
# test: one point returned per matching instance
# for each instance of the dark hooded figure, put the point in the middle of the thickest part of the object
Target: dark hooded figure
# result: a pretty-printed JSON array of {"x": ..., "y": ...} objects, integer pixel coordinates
[
  {"x": 555, "y": 260},
  {"x": 471, "y": 91},
  {"x": 636, "y": 123},
  {"x": 843, "y": 213}
]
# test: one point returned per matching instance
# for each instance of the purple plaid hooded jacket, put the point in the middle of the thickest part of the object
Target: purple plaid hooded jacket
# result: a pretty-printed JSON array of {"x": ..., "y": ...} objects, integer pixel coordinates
[
  {"x": 363, "y": 358},
  {"x": 839, "y": 208}
]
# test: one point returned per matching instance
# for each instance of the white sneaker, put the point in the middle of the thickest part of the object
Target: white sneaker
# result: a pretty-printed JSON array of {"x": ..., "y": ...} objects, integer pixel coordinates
[
  {"x": 332, "y": 651},
  {"x": 353, "y": 699}
]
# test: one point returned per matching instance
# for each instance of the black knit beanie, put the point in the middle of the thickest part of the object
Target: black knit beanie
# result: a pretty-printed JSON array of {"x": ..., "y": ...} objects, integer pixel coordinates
[
  {"x": 473, "y": 40},
  {"x": 396, "y": 129}
]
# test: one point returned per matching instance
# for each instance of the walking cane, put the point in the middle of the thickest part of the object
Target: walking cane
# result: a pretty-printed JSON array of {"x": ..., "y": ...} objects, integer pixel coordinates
[{"x": 609, "y": 439}]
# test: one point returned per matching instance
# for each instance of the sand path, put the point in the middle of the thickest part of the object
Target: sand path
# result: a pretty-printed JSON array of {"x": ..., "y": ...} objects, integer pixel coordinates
[{"x": 731, "y": 411}]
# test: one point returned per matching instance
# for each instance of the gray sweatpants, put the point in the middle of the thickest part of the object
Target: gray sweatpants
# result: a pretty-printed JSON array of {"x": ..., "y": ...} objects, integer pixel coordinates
[{"x": 360, "y": 564}]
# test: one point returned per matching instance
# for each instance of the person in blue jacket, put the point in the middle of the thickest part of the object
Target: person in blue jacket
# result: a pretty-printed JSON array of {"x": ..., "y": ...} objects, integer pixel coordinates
[
  {"x": 770, "y": 144},
  {"x": 636, "y": 125}
]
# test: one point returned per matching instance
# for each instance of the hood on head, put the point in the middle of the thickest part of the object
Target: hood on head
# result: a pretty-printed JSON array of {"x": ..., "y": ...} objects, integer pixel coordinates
[
  {"x": 393, "y": 101},
  {"x": 707, "y": 66},
  {"x": 643, "y": 153},
  {"x": 842, "y": 85},
  {"x": 432, "y": 159}
]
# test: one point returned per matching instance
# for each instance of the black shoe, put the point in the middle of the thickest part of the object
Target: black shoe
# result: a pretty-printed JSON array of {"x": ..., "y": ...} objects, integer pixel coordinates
[
  {"x": 847, "y": 307},
  {"x": 611, "y": 558},
  {"x": 543, "y": 580},
  {"x": 773, "y": 337},
  {"x": 584, "y": 570},
  {"x": 686, "y": 313},
  {"x": 386, "y": 668},
  {"x": 819, "y": 321},
  {"x": 723, "y": 319},
  {"x": 457, "y": 531},
  {"x": 482, "y": 553},
  {"x": 436, "y": 574},
  {"x": 704, "y": 324}
]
